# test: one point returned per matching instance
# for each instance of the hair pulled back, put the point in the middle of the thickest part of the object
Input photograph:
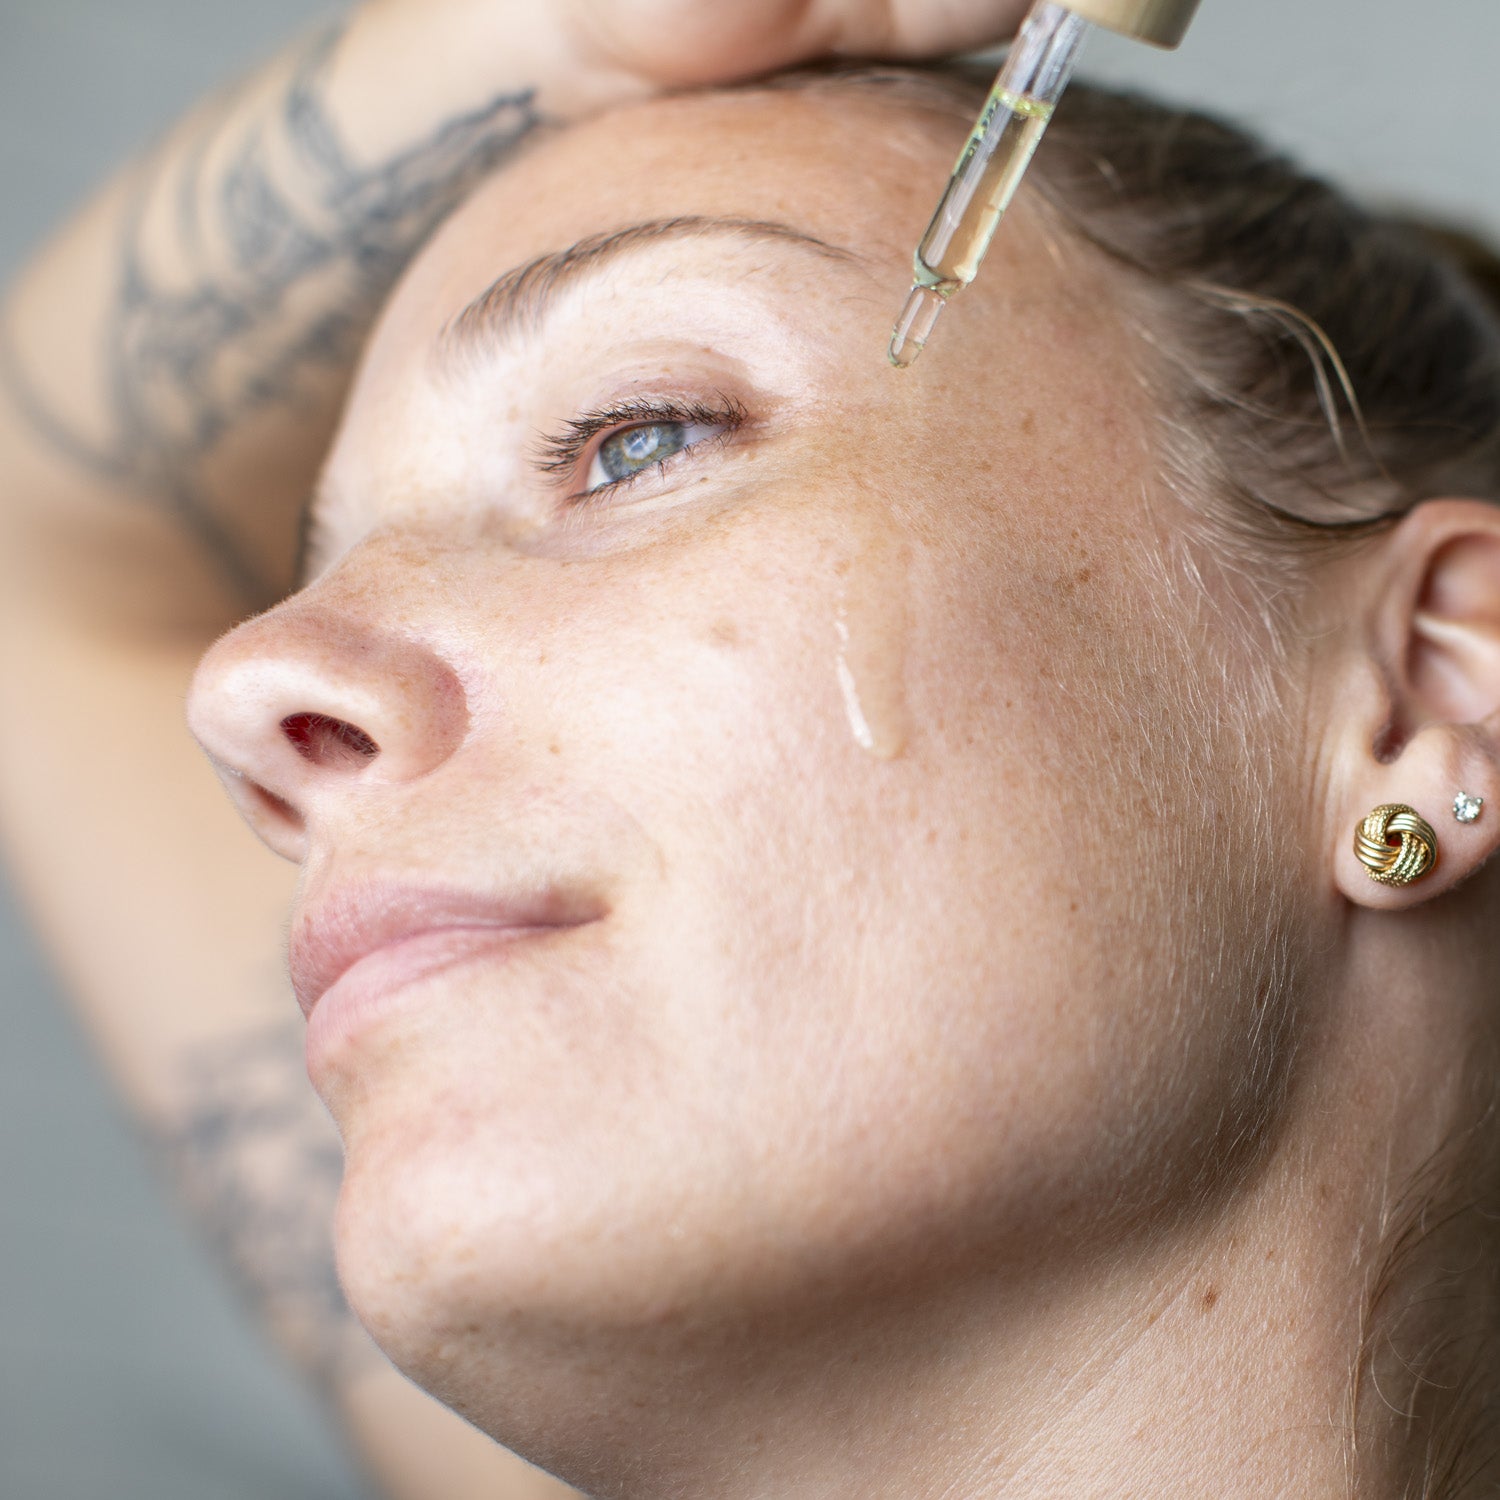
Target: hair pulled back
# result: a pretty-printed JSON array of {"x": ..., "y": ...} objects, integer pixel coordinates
[{"x": 1328, "y": 368}]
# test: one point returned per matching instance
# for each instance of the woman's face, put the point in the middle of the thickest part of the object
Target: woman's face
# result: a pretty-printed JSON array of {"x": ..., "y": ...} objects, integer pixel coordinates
[{"x": 789, "y": 848}]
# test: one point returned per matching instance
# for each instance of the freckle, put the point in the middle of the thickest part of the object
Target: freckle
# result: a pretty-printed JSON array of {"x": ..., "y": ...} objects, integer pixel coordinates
[
  {"x": 1083, "y": 575},
  {"x": 1210, "y": 1296},
  {"x": 1027, "y": 425},
  {"x": 541, "y": 658},
  {"x": 725, "y": 633},
  {"x": 554, "y": 748}
]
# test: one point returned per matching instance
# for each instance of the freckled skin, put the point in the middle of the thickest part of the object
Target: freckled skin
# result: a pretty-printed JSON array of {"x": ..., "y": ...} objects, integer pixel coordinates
[{"x": 854, "y": 1031}]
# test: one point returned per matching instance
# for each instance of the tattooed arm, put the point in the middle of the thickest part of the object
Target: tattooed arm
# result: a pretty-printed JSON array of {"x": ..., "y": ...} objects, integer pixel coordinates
[
  {"x": 170, "y": 370},
  {"x": 171, "y": 367},
  {"x": 184, "y": 346}
]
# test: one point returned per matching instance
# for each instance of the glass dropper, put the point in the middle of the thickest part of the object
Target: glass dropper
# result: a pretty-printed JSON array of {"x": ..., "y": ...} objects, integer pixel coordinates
[{"x": 989, "y": 169}]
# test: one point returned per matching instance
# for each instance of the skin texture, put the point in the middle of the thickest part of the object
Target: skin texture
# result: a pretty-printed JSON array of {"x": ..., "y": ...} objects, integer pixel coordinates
[
  {"x": 172, "y": 366},
  {"x": 858, "y": 1090}
]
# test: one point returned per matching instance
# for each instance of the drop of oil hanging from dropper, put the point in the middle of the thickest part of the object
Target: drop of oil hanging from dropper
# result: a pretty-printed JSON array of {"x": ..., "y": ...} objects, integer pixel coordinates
[{"x": 914, "y": 326}]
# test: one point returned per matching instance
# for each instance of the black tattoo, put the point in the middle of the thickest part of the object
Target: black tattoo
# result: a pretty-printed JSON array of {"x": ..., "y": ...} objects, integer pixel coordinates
[
  {"x": 259, "y": 1163},
  {"x": 303, "y": 244}
]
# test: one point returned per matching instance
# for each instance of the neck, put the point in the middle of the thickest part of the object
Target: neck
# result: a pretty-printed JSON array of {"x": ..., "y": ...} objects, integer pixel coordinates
[
  {"x": 1212, "y": 1357},
  {"x": 1219, "y": 1363}
]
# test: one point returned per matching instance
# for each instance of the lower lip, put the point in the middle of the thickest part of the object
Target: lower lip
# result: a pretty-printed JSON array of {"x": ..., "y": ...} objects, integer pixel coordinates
[{"x": 379, "y": 983}]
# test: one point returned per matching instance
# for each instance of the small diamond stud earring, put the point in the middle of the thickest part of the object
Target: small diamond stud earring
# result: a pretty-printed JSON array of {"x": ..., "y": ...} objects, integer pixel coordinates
[{"x": 1466, "y": 808}]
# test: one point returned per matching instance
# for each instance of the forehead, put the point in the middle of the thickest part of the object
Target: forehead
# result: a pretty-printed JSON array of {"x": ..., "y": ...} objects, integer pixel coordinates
[
  {"x": 847, "y": 169},
  {"x": 850, "y": 171},
  {"x": 857, "y": 170}
]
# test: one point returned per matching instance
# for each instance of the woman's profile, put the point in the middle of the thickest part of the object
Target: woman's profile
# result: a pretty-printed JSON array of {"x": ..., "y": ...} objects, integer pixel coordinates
[{"x": 865, "y": 932}]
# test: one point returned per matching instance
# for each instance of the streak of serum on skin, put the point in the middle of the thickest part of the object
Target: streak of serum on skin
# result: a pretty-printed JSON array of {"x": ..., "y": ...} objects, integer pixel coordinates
[{"x": 871, "y": 628}]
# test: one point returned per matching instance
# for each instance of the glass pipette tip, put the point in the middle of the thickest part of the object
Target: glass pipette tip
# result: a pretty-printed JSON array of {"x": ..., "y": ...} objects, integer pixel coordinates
[
  {"x": 989, "y": 169},
  {"x": 914, "y": 326}
]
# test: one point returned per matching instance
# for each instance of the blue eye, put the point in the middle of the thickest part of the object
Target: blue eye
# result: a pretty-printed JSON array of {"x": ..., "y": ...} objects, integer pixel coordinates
[
  {"x": 626, "y": 453},
  {"x": 632, "y": 439}
]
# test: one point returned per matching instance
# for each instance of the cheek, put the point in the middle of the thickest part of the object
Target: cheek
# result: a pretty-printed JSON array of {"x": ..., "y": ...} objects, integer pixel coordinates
[
  {"x": 884, "y": 944},
  {"x": 853, "y": 1001}
]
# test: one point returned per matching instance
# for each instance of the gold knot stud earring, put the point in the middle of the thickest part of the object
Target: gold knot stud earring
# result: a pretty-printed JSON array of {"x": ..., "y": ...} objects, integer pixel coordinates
[{"x": 1401, "y": 862}]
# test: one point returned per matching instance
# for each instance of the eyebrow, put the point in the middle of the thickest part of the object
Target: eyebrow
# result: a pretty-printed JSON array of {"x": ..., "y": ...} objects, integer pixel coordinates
[{"x": 519, "y": 299}]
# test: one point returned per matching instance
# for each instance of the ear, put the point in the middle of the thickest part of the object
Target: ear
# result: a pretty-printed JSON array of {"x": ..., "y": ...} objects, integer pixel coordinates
[{"x": 1417, "y": 716}]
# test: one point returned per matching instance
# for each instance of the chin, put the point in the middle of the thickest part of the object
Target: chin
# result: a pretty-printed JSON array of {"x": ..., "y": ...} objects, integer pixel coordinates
[
  {"x": 444, "y": 1266},
  {"x": 459, "y": 1236},
  {"x": 544, "y": 1312}
]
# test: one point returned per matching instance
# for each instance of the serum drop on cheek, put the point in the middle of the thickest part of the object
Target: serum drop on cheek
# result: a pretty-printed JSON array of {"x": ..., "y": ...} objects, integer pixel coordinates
[{"x": 870, "y": 629}]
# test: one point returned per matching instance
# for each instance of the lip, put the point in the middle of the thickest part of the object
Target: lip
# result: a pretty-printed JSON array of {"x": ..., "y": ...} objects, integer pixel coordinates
[{"x": 394, "y": 932}]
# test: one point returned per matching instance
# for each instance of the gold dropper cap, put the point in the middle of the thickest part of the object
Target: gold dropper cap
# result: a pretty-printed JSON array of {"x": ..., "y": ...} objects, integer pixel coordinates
[{"x": 1163, "y": 23}]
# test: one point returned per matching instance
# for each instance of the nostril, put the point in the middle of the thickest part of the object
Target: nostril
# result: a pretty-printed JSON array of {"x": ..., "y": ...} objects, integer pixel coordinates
[{"x": 329, "y": 742}]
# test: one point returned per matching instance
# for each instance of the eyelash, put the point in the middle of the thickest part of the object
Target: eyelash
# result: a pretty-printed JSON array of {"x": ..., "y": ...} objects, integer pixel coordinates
[{"x": 563, "y": 452}]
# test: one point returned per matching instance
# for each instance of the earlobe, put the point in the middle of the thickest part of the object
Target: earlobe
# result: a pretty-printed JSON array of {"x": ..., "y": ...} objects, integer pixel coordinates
[{"x": 1419, "y": 787}]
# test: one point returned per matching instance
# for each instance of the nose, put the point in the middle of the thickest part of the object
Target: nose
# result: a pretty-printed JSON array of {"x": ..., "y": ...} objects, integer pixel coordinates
[{"x": 309, "y": 704}]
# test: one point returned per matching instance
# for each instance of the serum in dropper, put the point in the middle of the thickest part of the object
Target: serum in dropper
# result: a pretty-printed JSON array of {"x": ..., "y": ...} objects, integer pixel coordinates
[{"x": 1001, "y": 144}]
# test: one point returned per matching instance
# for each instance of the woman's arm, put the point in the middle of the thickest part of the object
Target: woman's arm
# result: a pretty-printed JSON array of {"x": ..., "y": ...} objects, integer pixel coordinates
[{"x": 171, "y": 367}]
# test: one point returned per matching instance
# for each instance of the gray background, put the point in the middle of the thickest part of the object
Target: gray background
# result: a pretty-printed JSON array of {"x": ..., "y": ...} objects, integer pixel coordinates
[{"x": 126, "y": 1370}]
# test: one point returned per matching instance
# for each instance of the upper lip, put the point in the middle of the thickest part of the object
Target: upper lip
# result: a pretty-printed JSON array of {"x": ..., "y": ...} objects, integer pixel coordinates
[{"x": 362, "y": 917}]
